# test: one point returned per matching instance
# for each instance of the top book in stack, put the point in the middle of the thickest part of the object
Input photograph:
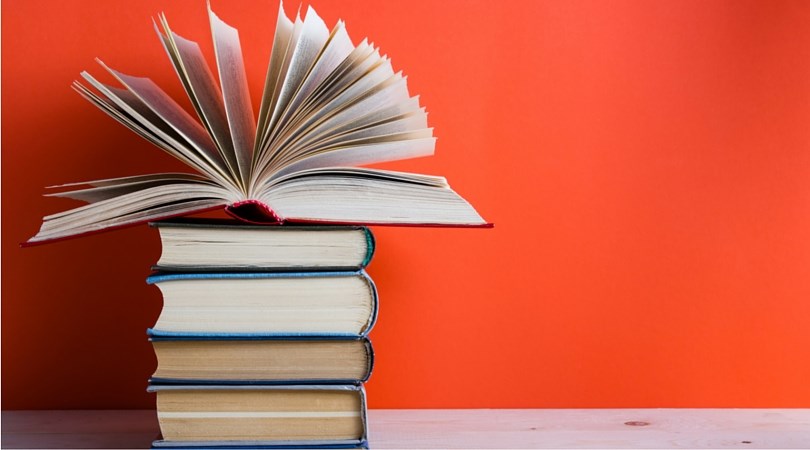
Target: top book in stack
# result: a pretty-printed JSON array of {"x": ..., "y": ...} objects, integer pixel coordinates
[
  {"x": 328, "y": 106},
  {"x": 211, "y": 245}
]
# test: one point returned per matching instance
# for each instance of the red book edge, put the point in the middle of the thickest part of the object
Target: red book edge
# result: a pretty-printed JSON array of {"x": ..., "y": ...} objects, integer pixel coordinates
[{"x": 256, "y": 213}]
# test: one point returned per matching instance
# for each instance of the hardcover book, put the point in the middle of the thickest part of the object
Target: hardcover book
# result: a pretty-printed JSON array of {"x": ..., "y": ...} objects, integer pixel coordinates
[
  {"x": 261, "y": 416},
  {"x": 265, "y": 304},
  {"x": 328, "y": 107},
  {"x": 262, "y": 361},
  {"x": 211, "y": 245}
]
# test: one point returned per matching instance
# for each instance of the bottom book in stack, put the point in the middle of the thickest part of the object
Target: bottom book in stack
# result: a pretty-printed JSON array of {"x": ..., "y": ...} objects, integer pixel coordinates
[
  {"x": 261, "y": 416},
  {"x": 263, "y": 359}
]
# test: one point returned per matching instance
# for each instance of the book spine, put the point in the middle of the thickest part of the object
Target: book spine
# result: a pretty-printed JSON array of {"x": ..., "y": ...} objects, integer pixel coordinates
[
  {"x": 255, "y": 212},
  {"x": 371, "y": 246},
  {"x": 370, "y": 353},
  {"x": 363, "y": 413},
  {"x": 375, "y": 302}
]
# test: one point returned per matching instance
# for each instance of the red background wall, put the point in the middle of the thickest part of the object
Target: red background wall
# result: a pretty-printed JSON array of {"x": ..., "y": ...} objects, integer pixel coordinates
[{"x": 646, "y": 165}]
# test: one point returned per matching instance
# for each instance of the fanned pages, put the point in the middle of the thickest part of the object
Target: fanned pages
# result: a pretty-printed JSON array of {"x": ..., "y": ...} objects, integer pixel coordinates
[
  {"x": 328, "y": 107},
  {"x": 235, "y": 92}
]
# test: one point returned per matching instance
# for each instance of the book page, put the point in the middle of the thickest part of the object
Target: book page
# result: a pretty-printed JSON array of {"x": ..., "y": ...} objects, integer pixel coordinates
[
  {"x": 173, "y": 115},
  {"x": 352, "y": 118},
  {"x": 399, "y": 129},
  {"x": 403, "y": 129},
  {"x": 166, "y": 139},
  {"x": 385, "y": 102},
  {"x": 235, "y": 92},
  {"x": 149, "y": 203},
  {"x": 364, "y": 154},
  {"x": 365, "y": 172},
  {"x": 374, "y": 77},
  {"x": 358, "y": 198},
  {"x": 363, "y": 59},
  {"x": 338, "y": 48},
  {"x": 281, "y": 41},
  {"x": 313, "y": 37},
  {"x": 272, "y": 105},
  {"x": 340, "y": 77},
  {"x": 98, "y": 190},
  {"x": 123, "y": 118},
  {"x": 301, "y": 120},
  {"x": 202, "y": 90},
  {"x": 372, "y": 87},
  {"x": 362, "y": 63},
  {"x": 100, "y": 218}
]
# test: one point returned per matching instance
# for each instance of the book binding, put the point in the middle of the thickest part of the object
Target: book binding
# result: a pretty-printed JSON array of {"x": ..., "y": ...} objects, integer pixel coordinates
[{"x": 254, "y": 212}]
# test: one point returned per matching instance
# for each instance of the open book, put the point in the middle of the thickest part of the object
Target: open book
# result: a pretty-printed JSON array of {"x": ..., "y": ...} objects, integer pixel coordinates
[{"x": 328, "y": 106}]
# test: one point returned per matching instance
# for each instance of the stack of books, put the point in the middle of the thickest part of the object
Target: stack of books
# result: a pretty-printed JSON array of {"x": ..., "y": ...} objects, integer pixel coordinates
[{"x": 263, "y": 336}]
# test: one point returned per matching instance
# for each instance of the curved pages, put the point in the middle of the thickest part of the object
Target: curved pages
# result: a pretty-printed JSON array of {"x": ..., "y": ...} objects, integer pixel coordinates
[{"x": 328, "y": 106}]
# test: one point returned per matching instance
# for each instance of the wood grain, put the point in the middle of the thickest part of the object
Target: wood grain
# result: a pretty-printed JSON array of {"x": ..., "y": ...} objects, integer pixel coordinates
[{"x": 428, "y": 429}]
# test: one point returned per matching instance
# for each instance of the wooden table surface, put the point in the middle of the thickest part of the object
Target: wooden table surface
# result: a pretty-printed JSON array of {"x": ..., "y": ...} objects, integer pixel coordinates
[{"x": 479, "y": 428}]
